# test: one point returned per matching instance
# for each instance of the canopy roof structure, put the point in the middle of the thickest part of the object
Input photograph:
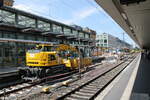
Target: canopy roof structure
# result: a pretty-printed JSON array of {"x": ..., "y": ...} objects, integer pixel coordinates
[{"x": 133, "y": 16}]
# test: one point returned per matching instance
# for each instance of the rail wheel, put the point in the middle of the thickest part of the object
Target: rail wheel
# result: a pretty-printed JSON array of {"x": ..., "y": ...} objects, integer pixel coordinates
[{"x": 40, "y": 73}]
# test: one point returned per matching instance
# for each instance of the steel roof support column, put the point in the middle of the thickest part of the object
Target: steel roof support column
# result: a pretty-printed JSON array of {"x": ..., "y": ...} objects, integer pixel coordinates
[
  {"x": 16, "y": 18},
  {"x": 79, "y": 60},
  {"x": 36, "y": 23},
  {"x": 51, "y": 27}
]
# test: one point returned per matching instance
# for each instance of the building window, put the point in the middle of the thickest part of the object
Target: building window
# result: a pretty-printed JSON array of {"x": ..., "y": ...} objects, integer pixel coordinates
[
  {"x": 26, "y": 21},
  {"x": 30, "y": 37},
  {"x": 5, "y": 35},
  {"x": 9, "y": 35},
  {"x": 1, "y": 34},
  {"x": 44, "y": 25},
  {"x": 40, "y": 38},
  {"x": 105, "y": 41},
  {"x": 81, "y": 34},
  {"x": 13, "y": 36},
  {"x": 1, "y": 53},
  {"x": 87, "y": 36},
  {"x": 21, "y": 36},
  {"x": 57, "y": 28},
  {"x": 105, "y": 45},
  {"x": 67, "y": 31},
  {"x": 75, "y": 33},
  {"x": 46, "y": 39},
  {"x": 7, "y": 17}
]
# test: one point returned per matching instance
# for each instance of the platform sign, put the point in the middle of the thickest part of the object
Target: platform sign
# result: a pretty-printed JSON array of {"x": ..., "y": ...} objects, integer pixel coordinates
[{"x": 6, "y": 3}]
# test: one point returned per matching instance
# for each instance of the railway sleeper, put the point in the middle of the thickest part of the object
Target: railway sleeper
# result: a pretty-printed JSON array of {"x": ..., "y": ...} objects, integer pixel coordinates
[
  {"x": 61, "y": 94},
  {"x": 79, "y": 97},
  {"x": 99, "y": 86},
  {"x": 75, "y": 86},
  {"x": 93, "y": 85},
  {"x": 87, "y": 91},
  {"x": 90, "y": 88},
  {"x": 99, "y": 79},
  {"x": 67, "y": 91},
  {"x": 70, "y": 98},
  {"x": 83, "y": 94}
]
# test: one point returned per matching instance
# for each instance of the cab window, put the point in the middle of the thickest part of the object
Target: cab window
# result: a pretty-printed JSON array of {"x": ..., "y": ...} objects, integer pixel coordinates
[
  {"x": 52, "y": 57},
  {"x": 48, "y": 48}
]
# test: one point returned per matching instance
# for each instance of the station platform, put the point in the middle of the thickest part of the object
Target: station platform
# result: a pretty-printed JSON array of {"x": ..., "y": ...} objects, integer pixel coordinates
[
  {"x": 8, "y": 69},
  {"x": 141, "y": 88},
  {"x": 126, "y": 84}
]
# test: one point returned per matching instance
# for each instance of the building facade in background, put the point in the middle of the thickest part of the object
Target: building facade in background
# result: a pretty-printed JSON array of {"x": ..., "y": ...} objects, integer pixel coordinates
[
  {"x": 21, "y": 31},
  {"x": 108, "y": 41},
  {"x": 102, "y": 40}
]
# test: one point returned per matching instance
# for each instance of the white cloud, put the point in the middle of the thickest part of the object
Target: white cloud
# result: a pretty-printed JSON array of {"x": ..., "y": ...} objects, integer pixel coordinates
[
  {"x": 25, "y": 8},
  {"x": 84, "y": 13},
  {"x": 80, "y": 15},
  {"x": 76, "y": 16},
  {"x": 33, "y": 9}
]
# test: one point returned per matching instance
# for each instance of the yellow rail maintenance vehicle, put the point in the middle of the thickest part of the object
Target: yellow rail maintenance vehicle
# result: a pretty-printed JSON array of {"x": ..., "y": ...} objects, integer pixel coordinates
[
  {"x": 48, "y": 59},
  {"x": 43, "y": 55},
  {"x": 69, "y": 55},
  {"x": 40, "y": 61},
  {"x": 72, "y": 57}
]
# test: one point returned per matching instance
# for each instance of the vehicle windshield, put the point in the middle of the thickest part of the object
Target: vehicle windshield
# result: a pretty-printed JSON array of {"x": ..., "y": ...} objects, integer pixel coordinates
[
  {"x": 67, "y": 54},
  {"x": 40, "y": 48},
  {"x": 48, "y": 48}
]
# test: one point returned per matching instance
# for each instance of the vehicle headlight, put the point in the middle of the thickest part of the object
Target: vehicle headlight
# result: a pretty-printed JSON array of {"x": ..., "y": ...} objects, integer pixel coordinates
[{"x": 32, "y": 55}]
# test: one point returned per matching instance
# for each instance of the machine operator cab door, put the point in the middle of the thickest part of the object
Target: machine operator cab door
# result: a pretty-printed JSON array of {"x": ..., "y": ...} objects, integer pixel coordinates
[
  {"x": 44, "y": 55},
  {"x": 53, "y": 58}
]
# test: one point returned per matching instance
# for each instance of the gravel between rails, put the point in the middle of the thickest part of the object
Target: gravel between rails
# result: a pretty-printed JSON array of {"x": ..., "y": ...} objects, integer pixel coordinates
[
  {"x": 21, "y": 90},
  {"x": 90, "y": 89},
  {"x": 103, "y": 81}
]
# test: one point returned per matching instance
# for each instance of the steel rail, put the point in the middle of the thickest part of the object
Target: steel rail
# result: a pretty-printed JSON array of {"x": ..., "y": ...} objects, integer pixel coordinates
[
  {"x": 37, "y": 82},
  {"x": 91, "y": 97}
]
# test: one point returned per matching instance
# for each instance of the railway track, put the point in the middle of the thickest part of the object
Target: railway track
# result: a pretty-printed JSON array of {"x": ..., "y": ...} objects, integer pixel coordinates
[
  {"x": 25, "y": 87},
  {"x": 7, "y": 74},
  {"x": 77, "y": 92},
  {"x": 9, "y": 78},
  {"x": 90, "y": 89},
  {"x": 9, "y": 87},
  {"x": 95, "y": 81}
]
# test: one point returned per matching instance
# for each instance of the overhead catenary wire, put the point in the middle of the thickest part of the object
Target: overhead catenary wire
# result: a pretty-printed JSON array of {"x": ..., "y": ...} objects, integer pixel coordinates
[
  {"x": 52, "y": 6},
  {"x": 28, "y": 7},
  {"x": 90, "y": 2}
]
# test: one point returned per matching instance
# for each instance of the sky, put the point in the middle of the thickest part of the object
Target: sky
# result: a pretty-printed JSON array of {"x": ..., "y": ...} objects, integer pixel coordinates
[{"x": 85, "y": 13}]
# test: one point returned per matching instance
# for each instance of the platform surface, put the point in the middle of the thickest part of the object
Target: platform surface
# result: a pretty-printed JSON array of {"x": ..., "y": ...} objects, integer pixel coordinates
[
  {"x": 8, "y": 69},
  {"x": 116, "y": 90},
  {"x": 141, "y": 89}
]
